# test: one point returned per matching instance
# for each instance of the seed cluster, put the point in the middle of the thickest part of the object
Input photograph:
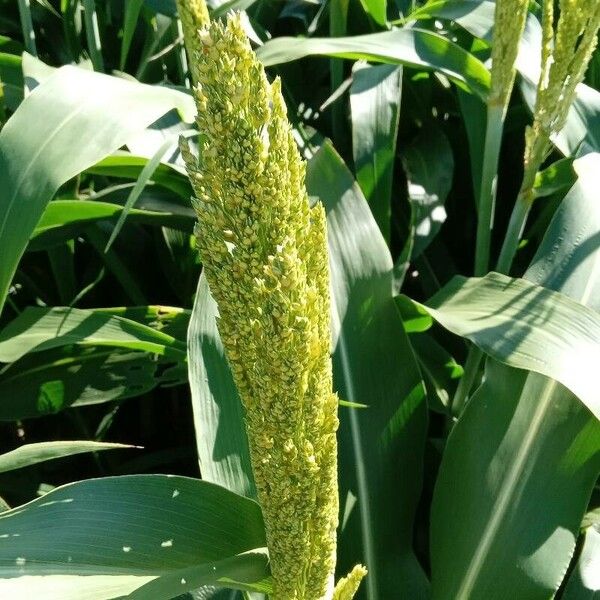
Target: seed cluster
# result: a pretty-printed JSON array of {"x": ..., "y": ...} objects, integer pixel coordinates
[
  {"x": 509, "y": 22},
  {"x": 265, "y": 258},
  {"x": 567, "y": 48}
]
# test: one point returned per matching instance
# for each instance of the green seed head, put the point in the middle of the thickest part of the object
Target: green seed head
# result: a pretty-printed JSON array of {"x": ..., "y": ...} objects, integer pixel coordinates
[
  {"x": 509, "y": 22},
  {"x": 348, "y": 586},
  {"x": 567, "y": 48},
  {"x": 194, "y": 16},
  {"x": 265, "y": 258}
]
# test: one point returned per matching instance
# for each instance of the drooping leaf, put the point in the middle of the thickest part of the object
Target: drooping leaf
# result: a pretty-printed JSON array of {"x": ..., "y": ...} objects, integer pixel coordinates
[
  {"x": 31, "y": 454},
  {"x": 107, "y": 538},
  {"x": 526, "y": 326},
  {"x": 409, "y": 46},
  {"x": 221, "y": 439},
  {"x": 38, "y": 152},
  {"x": 477, "y": 16},
  {"x": 47, "y": 382},
  {"x": 126, "y": 165},
  {"x": 381, "y": 446},
  {"x": 37, "y": 329},
  {"x": 521, "y": 462},
  {"x": 66, "y": 219},
  {"x": 375, "y": 107},
  {"x": 377, "y": 9}
]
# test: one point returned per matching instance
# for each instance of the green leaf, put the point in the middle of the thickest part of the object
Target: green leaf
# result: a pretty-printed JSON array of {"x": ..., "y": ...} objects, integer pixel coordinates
[
  {"x": 526, "y": 326},
  {"x": 126, "y": 165},
  {"x": 54, "y": 135},
  {"x": 377, "y": 9},
  {"x": 411, "y": 47},
  {"x": 37, "y": 329},
  {"x": 31, "y": 454},
  {"x": 477, "y": 17},
  {"x": 66, "y": 219},
  {"x": 11, "y": 79},
  {"x": 130, "y": 20},
  {"x": 558, "y": 177},
  {"x": 375, "y": 107},
  {"x": 106, "y": 538},
  {"x": 521, "y": 462},
  {"x": 221, "y": 439},
  {"x": 381, "y": 446},
  {"x": 429, "y": 182},
  {"x": 142, "y": 181},
  {"x": 47, "y": 382}
]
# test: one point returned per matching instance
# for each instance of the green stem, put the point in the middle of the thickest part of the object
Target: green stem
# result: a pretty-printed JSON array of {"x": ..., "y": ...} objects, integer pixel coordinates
[
  {"x": 466, "y": 382},
  {"x": 485, "y": 224},
  {"x": 92, "y": 34},
  {"x": 516, "y": 225},
  {"x": 487, "y": 193},
  {"x": 27, "y": 26}
]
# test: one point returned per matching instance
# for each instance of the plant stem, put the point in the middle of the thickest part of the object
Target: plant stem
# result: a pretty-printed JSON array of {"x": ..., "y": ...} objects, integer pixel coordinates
[
  {"x": 485, "y": 223},
  {"x": 92, "y": 34},
  {"x": 27, "y": 26},
  {"x": 466, "y": 382},
  {"x": 487, "y": 193},
  {"x": 516, "y": 225}
]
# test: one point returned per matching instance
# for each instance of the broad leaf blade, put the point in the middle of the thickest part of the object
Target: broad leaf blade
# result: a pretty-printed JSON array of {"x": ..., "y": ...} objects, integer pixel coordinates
[
  {"x": 47, "y": 382},
  {"x": 104, "y": 538},
  {"x": 410, "y": 47},
  {"x": 218, "y": 414},
  {"x": 521, "y": 462},
  {"x": 429, "y": 181},
  {"x": 584, "y": 581},
  {"x": 37, "y": 329},
  {"x": 526, "y": 326},
  {"x": 381, "y": 446}
]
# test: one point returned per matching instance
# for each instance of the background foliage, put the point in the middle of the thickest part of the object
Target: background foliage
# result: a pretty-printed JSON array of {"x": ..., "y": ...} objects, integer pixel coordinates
[{"x": 100, "y": 276}]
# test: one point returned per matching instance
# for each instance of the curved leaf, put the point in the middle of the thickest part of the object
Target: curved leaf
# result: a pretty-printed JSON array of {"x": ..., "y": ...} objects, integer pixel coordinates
[
  {"x": 37, "y": 329},
  {"x": 408, "y": 46},
  {"x": 526, "y": 326},
  {"x": 105, "y": 538},
  {"x": 31, "y": 454}
]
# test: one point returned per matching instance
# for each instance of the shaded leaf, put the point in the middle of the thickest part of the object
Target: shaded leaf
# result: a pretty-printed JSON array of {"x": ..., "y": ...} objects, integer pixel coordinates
[
  {"x": 221, "y": 439},
  {"x": 527, "y": 326},
  {"x": 514, "y": 505},
  {"x": 375, "y": 108},
  {"x": 38, "y": 152},
  {"x": 381, "y": 447},
  {"x": 105, "y": 538},
  {"x": 37, "y": 329}
]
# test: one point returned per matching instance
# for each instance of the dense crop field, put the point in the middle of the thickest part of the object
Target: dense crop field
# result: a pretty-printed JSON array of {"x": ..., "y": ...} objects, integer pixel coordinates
[{"x": 222, "y": 226}]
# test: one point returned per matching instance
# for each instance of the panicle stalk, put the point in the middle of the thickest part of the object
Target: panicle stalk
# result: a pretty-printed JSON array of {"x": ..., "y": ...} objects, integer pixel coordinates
[
  {"x": 509, "y": 22},
  {"x": 264, "y": 251}
]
